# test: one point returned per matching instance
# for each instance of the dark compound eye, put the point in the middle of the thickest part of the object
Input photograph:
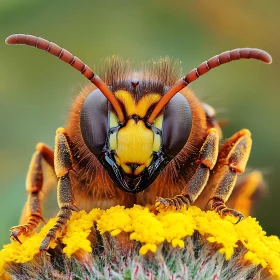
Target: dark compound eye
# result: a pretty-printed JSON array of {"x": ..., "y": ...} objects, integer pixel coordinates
[
  {"x": 94, "y": 121},
  {"x": 177, "y": 124}
]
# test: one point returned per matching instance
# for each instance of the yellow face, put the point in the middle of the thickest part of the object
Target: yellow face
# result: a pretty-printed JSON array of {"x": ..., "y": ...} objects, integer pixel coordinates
[{"x": 135, "y": 143}]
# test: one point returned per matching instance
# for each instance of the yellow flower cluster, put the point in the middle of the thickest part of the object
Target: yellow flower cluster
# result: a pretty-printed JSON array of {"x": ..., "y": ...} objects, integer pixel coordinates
[
  {"x": 152, "y": 229},
  {"x": 78, "y": 229}
]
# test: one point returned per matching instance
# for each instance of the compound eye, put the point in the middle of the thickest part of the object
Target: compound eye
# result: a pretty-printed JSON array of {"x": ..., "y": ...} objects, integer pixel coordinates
[
  {"x": 94, "y": 121},
  {"x": 177, "y": 124}
]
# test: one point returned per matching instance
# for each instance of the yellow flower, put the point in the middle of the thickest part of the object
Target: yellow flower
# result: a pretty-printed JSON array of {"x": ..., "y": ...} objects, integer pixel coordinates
[
  {"x": 151, "y": 231},
  {"x": 78, "y": 229},
  {"x": 114, "y": 220}
]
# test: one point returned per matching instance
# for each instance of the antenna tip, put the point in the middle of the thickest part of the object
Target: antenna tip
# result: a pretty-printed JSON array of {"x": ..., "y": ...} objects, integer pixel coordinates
[
  {"x": 265, "y": 57},
  {"x": 12, "y": 39}
]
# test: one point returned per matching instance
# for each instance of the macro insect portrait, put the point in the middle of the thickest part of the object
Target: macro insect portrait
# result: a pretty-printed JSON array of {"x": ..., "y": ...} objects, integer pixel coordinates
[{"x": 142, "y": 141}]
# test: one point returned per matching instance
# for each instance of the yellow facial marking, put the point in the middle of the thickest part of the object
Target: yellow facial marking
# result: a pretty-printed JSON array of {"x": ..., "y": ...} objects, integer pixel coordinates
[
  {"x": 145, "y": 103},
  {"x": 135, "y": 143},
  {"x": 141, "y": 107}
]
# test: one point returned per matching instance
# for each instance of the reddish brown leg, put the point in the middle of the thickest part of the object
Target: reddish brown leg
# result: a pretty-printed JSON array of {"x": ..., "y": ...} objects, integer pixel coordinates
[
  {"x": 32, "y": 213},
  {"x": 62, "y": 165},
  {"x": 232, "y": 159},
  {"x": 207, "y": 160}
]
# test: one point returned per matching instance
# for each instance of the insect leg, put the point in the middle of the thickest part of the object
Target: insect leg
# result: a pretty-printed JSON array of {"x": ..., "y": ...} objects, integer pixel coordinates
[
  {"x": 32, "y": 213},
  {"x": 232, "y": 160},
  {"x": 62, "y": 166},
  {"x": 207, "y": 159}
]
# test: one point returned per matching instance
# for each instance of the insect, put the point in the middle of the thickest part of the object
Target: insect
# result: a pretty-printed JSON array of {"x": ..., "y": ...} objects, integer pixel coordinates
[{"x": 136, "y": 138}]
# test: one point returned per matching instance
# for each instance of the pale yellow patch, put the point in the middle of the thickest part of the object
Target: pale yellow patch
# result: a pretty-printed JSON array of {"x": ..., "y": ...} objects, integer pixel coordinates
[
  {"x": 113, "y": 141},
  {"x": 113, "y": 120},
  {"x": 157, "y": 143},
  {"x": 158, "y": 122}
]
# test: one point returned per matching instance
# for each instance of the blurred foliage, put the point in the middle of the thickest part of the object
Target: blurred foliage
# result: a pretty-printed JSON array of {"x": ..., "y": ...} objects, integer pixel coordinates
[{"x": 36, "y": 90}]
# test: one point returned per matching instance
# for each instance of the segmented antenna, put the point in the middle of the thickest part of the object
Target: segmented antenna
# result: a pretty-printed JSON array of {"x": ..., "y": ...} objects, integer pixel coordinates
[
  {"x": 203, "y": 68},
  {"x": 69, "y": 58}
]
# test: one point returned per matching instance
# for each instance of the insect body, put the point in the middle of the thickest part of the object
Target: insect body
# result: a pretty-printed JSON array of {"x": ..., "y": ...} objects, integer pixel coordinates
[{"x": 135, "y": 138}]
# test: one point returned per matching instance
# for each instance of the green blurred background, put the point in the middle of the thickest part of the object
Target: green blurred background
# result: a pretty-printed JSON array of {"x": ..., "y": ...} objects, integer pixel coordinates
[{"x": 36, "y": 89}]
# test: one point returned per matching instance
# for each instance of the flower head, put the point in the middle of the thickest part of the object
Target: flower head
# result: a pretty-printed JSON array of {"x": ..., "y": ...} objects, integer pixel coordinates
[{"x": 136, "y": 241}]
